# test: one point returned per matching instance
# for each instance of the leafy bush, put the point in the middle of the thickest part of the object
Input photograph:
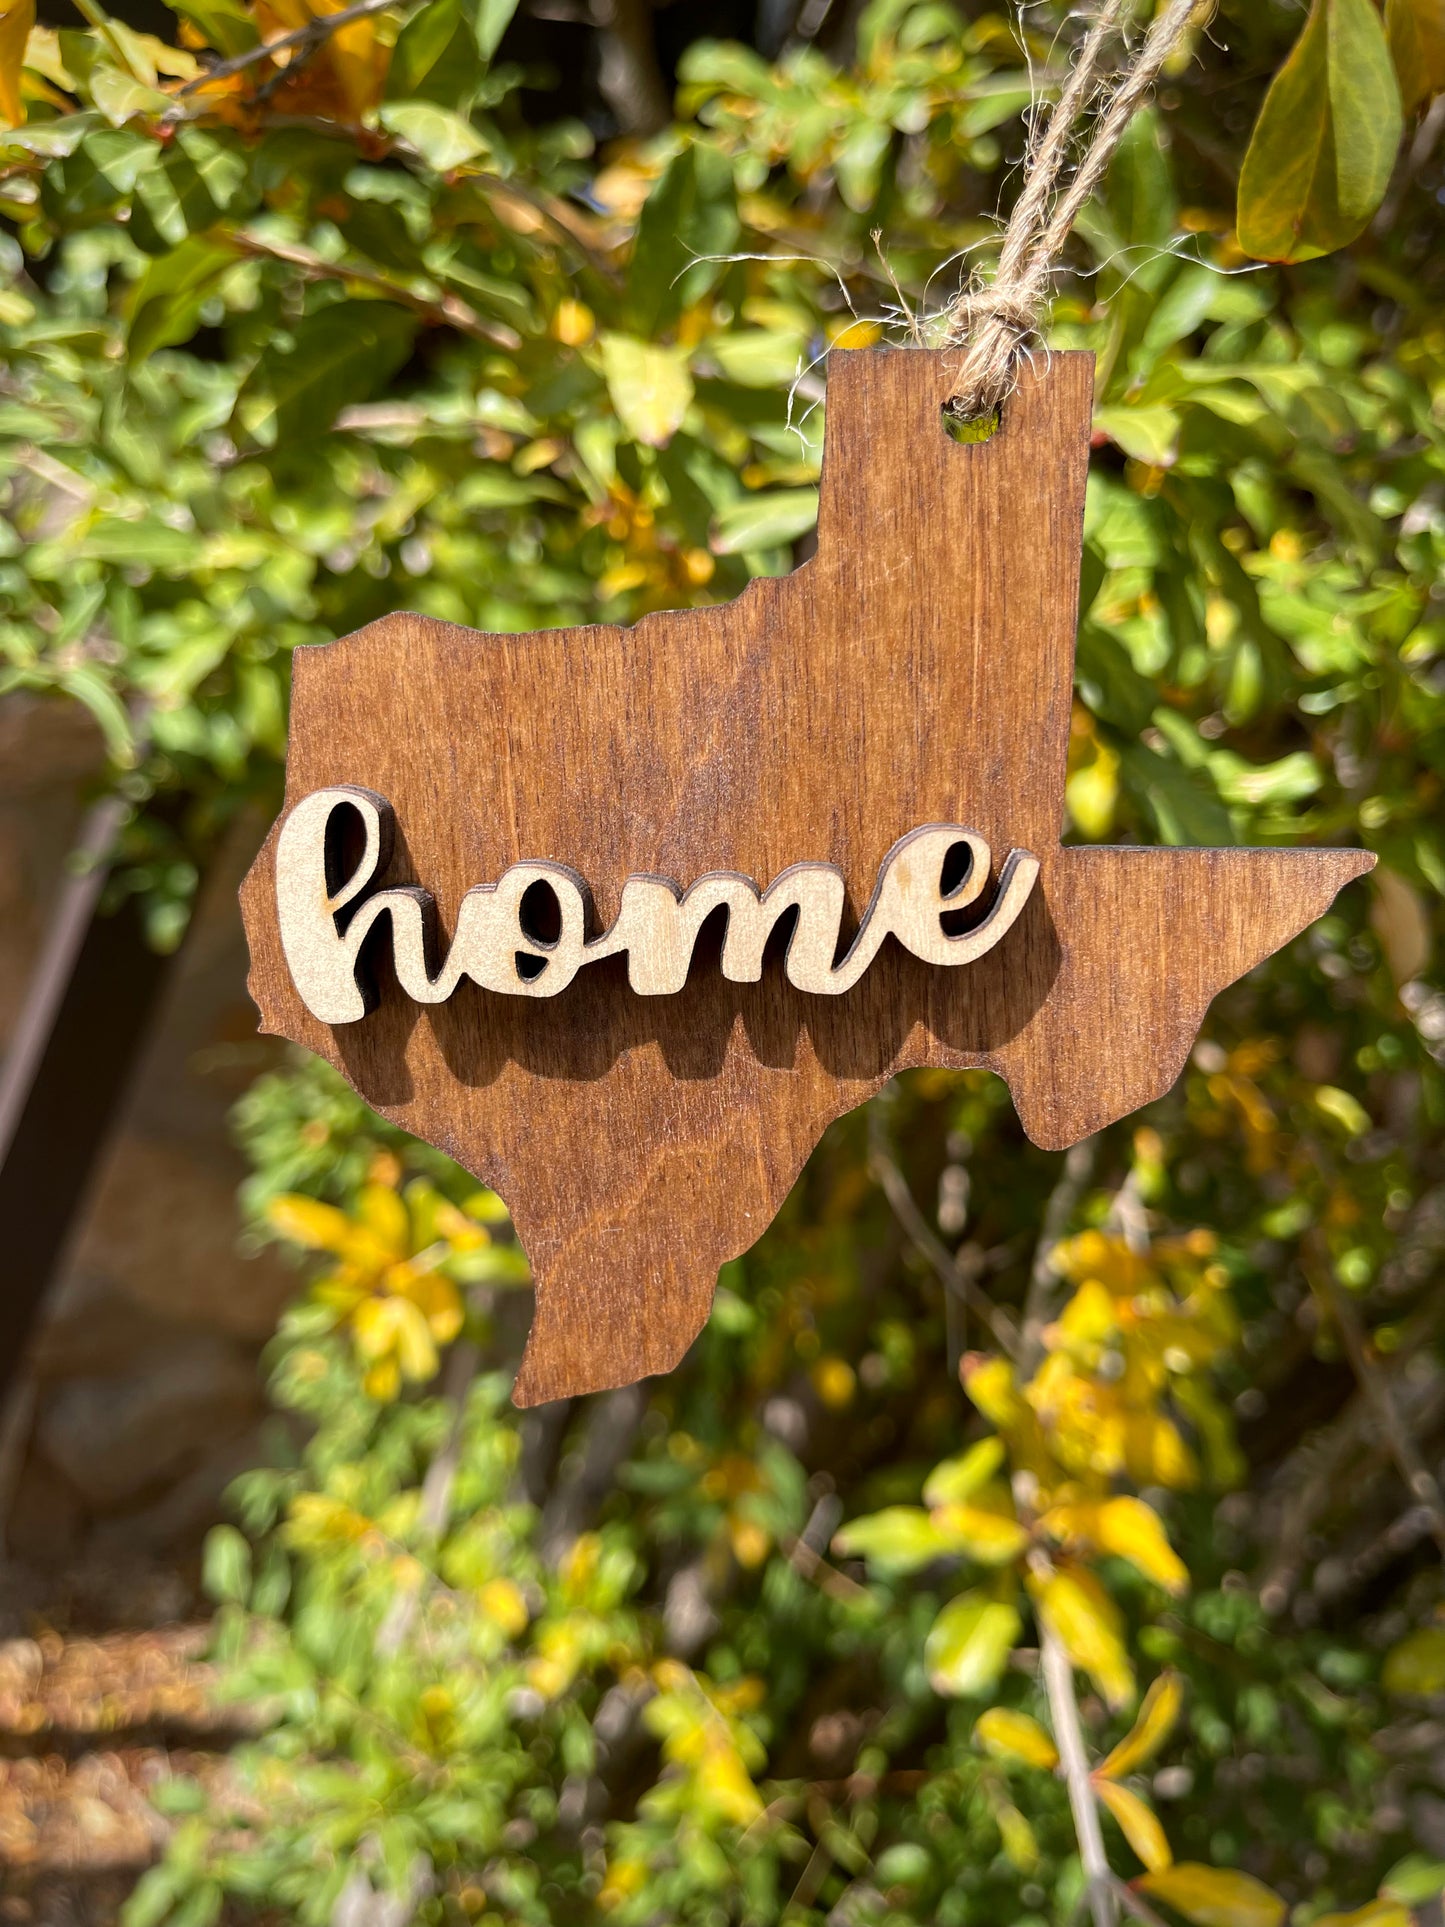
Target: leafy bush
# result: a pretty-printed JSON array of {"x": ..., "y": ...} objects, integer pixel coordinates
[{"x": 798, "y": 1634}]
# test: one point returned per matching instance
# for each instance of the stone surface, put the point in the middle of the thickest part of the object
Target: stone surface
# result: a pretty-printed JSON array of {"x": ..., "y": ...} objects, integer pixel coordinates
[{"x": 141, "y": 1396}]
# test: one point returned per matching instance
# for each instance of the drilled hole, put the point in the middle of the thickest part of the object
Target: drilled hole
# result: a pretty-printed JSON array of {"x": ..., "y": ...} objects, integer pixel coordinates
[{"x": 970, "y": 428}]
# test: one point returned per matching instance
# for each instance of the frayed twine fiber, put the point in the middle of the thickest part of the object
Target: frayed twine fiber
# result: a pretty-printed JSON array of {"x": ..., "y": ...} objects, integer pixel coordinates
[{"x": 995, "y": 321}]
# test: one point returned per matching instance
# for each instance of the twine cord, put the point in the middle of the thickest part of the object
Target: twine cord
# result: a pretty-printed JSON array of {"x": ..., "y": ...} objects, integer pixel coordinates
[{"x": 996, "y": 320}]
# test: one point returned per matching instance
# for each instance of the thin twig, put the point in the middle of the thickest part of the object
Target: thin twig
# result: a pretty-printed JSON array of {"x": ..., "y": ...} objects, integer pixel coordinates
[
  {"x": 1058, "y": 1675},
  {"x": 1063, "y": 1202},
  {"x": 1420, "y": 1482},
  {"x": 312, "y": 35},
  {"x": 445, "y": 310},
  {"x": 954, "y": 1277},
  {"x": 436, "y": 1490}
]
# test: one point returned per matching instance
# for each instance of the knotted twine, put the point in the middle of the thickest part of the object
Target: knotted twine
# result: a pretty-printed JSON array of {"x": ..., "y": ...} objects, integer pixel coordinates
[{"x": 996, "y": 321}]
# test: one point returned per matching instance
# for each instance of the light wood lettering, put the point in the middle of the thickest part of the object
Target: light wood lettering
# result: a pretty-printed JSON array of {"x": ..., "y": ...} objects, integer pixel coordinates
[{"x": 657, "y": 924}]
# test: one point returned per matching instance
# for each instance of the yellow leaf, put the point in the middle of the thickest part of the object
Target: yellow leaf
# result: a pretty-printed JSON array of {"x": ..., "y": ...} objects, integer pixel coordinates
[
  {"x": 1379, "y": 1913},
  {"x": 990, "y": 1537},
  {"x": 416, "y": 1352},
  {"x": 1014, "y": 1736},
  {"x": 990, "y": 1383},
  {"x": 306, "y": 1221},
  {"x": 1085, "y": 1621},
  {"x": 1017, "y": 1835},
  {"x": 1416, "y": 30},
  {"x": 17, "y": 17},
  {"x": 1149, "y": 1732},
  {"x": 381, "y": 1210},
  {"x": 1129, "y": 1529},
  {"x": 374, "y": 1327},
  {"x": 1138, "y": 1823},
  {"x": 382, "y": 1381},
  {"x": 1214, "y": 1896},
  {"x": 1417, "y": 1664},
  {"x": 502, "y": 1602}
]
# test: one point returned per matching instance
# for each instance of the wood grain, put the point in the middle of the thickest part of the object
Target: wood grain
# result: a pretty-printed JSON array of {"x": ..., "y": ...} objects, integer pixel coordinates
[{"x": 919, "y": 669}]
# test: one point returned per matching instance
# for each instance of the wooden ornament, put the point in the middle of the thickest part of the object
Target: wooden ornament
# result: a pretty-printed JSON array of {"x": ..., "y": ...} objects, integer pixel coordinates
[{"x": 622, "y": 919}]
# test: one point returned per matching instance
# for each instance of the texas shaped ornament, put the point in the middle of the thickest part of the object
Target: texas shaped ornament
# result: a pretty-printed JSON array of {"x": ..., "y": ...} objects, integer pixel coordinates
[{"x": 622, "y": 919}]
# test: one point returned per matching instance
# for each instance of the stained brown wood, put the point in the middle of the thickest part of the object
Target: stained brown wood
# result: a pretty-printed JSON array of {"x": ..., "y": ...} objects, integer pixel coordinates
[{"x": 918, "y": 669}]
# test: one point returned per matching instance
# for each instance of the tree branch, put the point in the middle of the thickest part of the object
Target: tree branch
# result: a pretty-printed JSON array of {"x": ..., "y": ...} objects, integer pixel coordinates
[
  {"x": 957, "y": 1280},
  {"x": 314, "y": 34},
  {"x": 445, "y": 310},
  {"x": 1063, "y": 1201},
  {"x": 1420, "y": 1482},
  {"x": 1058, "y": 1674}
]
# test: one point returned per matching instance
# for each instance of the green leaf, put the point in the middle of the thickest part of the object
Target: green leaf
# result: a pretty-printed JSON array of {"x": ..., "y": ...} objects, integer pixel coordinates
[
  {"x": 900, "y": 1538},
  {"x": 969, "y": 1643},
  {"x": 226, "y": 1565},
  {"x": 166, "y": 302},
  {"x": 650, "y": 387},
  {"x": 1149, "y": 433},
  {"x": 435, "y": 57},
  {"x": 1414, "y": 1880},
  {"x": 121, "y": 97},
  {"x": 765, "y": 521},
  {"x": 340, "y": 354},
  {"x": 1184, "y": 803},
  {"x": 489, "y": 20},
  {"x": 958, "y": 1479},
  {"x": 760, "y": 357},
  {"x": 1324, "y": 145},
  {"x": 691, "y": 213},
  {"x": 443, "y": 139}
]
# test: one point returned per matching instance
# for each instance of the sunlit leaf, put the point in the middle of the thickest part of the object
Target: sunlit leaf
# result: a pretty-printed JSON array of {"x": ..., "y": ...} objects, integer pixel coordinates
[
  {"x": 1138, "y": 1822},
  {"x": 650, "y": 387},
  {"x": 1414, "y": 1880},
  {"x": 306, "y": 1221},
  {"x": 1014, "y": 1736},
  {"x": 900, "y": 1538},
  {"x": 1127, "y": 1528},
  {"x": 1149, "y": 1731},
  {"x": 443, "y": 139},
  {"x": 1323, "y": 148},
  {"x": 958, "y": 1479},
  {"x": 969, "y": 1643},
  {"x": 489, "y": 21},
  {"x": 1086, "y": 1622},
  {"x": 990, "y": 1536},
  {"x": 765, "y": 520},
  {"x": 1214, "y": 1896}
]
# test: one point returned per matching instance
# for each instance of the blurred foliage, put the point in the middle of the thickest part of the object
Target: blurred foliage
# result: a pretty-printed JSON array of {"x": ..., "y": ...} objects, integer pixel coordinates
[{"x": 294, "y": 339}]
